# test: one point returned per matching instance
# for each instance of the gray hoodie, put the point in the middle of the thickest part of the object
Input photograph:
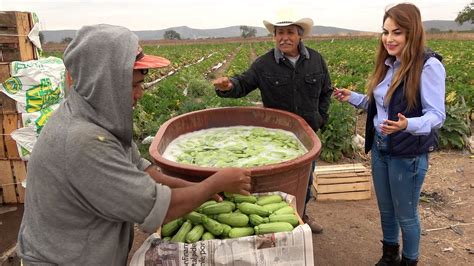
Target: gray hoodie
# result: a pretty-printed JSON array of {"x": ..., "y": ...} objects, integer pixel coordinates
[{"x": 86, "y": 184}]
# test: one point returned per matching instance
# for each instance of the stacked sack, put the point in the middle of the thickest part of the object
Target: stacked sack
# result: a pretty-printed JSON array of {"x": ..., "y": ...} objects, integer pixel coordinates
[{"x": 38, "y": 87}]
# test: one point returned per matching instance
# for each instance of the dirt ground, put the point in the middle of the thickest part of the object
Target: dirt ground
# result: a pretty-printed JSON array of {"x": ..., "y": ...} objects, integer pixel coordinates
[{"x": 352, "y": 228}]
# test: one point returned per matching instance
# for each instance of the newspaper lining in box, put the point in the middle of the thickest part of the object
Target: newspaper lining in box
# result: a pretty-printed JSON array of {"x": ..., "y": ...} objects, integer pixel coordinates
[{"x": 285, "y": 248}]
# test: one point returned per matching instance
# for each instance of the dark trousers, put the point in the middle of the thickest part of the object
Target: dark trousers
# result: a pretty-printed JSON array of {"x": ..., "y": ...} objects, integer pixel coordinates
[{"x": 309, "y": 194}]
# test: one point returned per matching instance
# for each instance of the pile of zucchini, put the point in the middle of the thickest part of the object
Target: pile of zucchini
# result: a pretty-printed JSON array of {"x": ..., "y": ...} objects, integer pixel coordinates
[{"x": 235, "y": 216}]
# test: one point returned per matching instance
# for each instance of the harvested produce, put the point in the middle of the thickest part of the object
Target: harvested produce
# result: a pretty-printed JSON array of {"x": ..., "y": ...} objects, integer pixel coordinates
[
  {"x": 250, "y": 208},
  {"x": 195, "y": 234},
  {"x": 264, "y": 200},
  {"x": 274, "y": 227},
  {"x": 212, "y": 226},
  {"x": 170, "y": 228},
  {"x": 233, "y": 219},
  {"x": 284, "y": 210},
  {"x": 217, "y": 208},
  {"x": 238, "y": 146},
  {"x": 289, "y": 218},
  {"x": 241, "y": 232},
  {"x": 180, "y": 236},
  {"x": 217, "y": 220}
]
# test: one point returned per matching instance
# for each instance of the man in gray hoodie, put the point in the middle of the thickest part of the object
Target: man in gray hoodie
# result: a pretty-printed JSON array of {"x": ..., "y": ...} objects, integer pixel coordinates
[{"x": 87, "y": 184}]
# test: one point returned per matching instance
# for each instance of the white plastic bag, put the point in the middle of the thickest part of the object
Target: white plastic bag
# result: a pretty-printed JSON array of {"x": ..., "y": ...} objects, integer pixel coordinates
[
  {"x": 38, "y": 119},
  {"x": 25, "y": 138},
  {"x": 35, "y": 84}
]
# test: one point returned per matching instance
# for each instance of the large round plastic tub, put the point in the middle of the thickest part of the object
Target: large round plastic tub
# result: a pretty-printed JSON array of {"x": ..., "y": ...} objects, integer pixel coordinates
[{"x": 289, "y": 176}]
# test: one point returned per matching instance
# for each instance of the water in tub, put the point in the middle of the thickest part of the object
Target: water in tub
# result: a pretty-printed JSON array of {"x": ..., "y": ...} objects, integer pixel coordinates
[{"x": 239, "y": 146}]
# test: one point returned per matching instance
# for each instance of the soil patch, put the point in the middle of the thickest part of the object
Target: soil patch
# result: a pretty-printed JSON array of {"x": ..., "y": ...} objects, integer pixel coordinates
[
  {"x": 225, "y": 65},
  {"x": 352, "y": 229}
]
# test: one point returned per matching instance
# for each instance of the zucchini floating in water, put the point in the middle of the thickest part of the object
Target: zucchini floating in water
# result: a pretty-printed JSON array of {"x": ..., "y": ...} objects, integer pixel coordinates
[{"x": 237, "y": 146}]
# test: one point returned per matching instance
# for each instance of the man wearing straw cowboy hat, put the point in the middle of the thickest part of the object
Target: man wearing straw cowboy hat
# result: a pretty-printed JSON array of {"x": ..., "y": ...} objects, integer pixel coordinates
[{"x": 291, "y": 77}]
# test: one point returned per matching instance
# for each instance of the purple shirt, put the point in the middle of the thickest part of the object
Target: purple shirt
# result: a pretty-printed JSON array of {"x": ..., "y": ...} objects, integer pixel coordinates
[{"x": 432, "y": 98}]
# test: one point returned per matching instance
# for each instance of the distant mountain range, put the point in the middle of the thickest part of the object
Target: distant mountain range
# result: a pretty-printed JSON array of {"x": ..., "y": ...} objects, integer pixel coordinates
[
  {"x": 234, "y": 31},
  {"x": 447, "y": 25},
  {"x": 190, "y": 33}
]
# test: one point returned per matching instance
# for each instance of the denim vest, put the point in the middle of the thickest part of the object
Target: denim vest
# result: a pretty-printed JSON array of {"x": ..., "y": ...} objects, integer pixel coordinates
[{"x": 402, "y": 144}]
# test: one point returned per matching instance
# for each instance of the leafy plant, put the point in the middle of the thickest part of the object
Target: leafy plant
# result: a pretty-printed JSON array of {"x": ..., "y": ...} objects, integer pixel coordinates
[
  {"x": 336, "y": 136},
  {"x": 465, "y": 15},
  {"x": 456, "y": 127}
]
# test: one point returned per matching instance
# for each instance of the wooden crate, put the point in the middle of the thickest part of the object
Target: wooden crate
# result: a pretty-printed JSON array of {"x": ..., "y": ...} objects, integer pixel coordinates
[
  {"x": 12, "y": 168},
  {"x": 14, "y": 46},
  {"x": 12, "y": 173},
  {"x": 342, "y": 182},
  {"x": 14, "y": 42},
  {"x": 7, "y": 105},
  {"x": 7, "y": 182}
]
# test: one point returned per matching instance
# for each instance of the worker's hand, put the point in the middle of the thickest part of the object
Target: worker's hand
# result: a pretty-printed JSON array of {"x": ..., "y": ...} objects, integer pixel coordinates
[
  {"x": 390, "y": 127},
  {"x": 342, "y": 95},
  {"x": 233, "y": 180},
  {"x": 223, "y": 84},
  {"x": 217, "y": 197},
  {"x": 173, "y": 182}
]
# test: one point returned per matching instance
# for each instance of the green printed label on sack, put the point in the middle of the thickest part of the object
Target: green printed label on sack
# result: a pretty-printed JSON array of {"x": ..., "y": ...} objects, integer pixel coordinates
[
  {"x": 41, "y": 96},
  {"x": 43, "y": 118},
  {"x": 37, "y": 120},
  {"x": 24, "y": 65},
  {"x": 12, "y": 85},
  {"x": 23, "y": 152},
  {"x": 42, "y": 65}
]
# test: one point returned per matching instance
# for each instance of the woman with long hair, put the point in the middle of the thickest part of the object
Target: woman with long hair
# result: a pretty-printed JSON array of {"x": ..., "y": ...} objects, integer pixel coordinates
[{"x": 405, "y": 107}]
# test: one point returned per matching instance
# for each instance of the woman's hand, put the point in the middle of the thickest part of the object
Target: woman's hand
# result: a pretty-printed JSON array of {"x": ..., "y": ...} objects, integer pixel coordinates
[
  {"x": 390, "y": 127},
  {"x": 342, "y": 95}
]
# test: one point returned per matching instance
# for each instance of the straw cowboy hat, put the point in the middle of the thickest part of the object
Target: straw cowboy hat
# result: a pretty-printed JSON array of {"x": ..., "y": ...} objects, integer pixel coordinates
[{"x": 305, "y": 23}]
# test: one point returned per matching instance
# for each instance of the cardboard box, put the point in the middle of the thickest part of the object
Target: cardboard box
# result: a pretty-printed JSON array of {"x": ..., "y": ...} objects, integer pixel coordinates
[{"x": 285, "y": 248}]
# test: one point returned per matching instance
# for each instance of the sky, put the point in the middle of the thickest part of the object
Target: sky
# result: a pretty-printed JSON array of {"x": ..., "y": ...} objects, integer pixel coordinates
[{"x": 364, "y": 15}]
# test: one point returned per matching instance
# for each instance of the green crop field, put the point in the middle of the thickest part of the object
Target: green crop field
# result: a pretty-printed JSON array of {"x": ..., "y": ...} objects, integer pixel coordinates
[{"x": 185, "y": 85}]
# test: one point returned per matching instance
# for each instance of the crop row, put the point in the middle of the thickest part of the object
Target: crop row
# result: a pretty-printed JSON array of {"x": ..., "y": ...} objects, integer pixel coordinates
[{"x": 350, "y": 62}]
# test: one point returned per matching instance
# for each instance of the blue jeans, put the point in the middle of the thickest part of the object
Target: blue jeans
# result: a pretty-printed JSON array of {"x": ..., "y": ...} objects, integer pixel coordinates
[
  {"x": 397, "y": 183},
  {"x": 309, "y": 194}
]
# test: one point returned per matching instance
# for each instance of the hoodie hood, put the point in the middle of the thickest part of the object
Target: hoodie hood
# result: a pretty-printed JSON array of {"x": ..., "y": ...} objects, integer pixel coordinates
[{"x": 100, "y": 61}]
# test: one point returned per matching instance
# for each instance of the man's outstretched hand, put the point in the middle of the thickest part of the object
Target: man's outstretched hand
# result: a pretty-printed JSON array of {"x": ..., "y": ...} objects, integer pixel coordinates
[{"x": 223, "y": 84}]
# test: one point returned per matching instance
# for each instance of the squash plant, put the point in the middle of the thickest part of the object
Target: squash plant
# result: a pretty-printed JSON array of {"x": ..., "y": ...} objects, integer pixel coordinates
[
  {"x": 336, "y": 135},
  {"x": 456, "y": 126}
]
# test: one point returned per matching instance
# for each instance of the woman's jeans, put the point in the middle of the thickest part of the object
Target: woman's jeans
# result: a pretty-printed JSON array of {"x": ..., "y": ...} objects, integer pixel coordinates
[{"x": 397, "y": 183}]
